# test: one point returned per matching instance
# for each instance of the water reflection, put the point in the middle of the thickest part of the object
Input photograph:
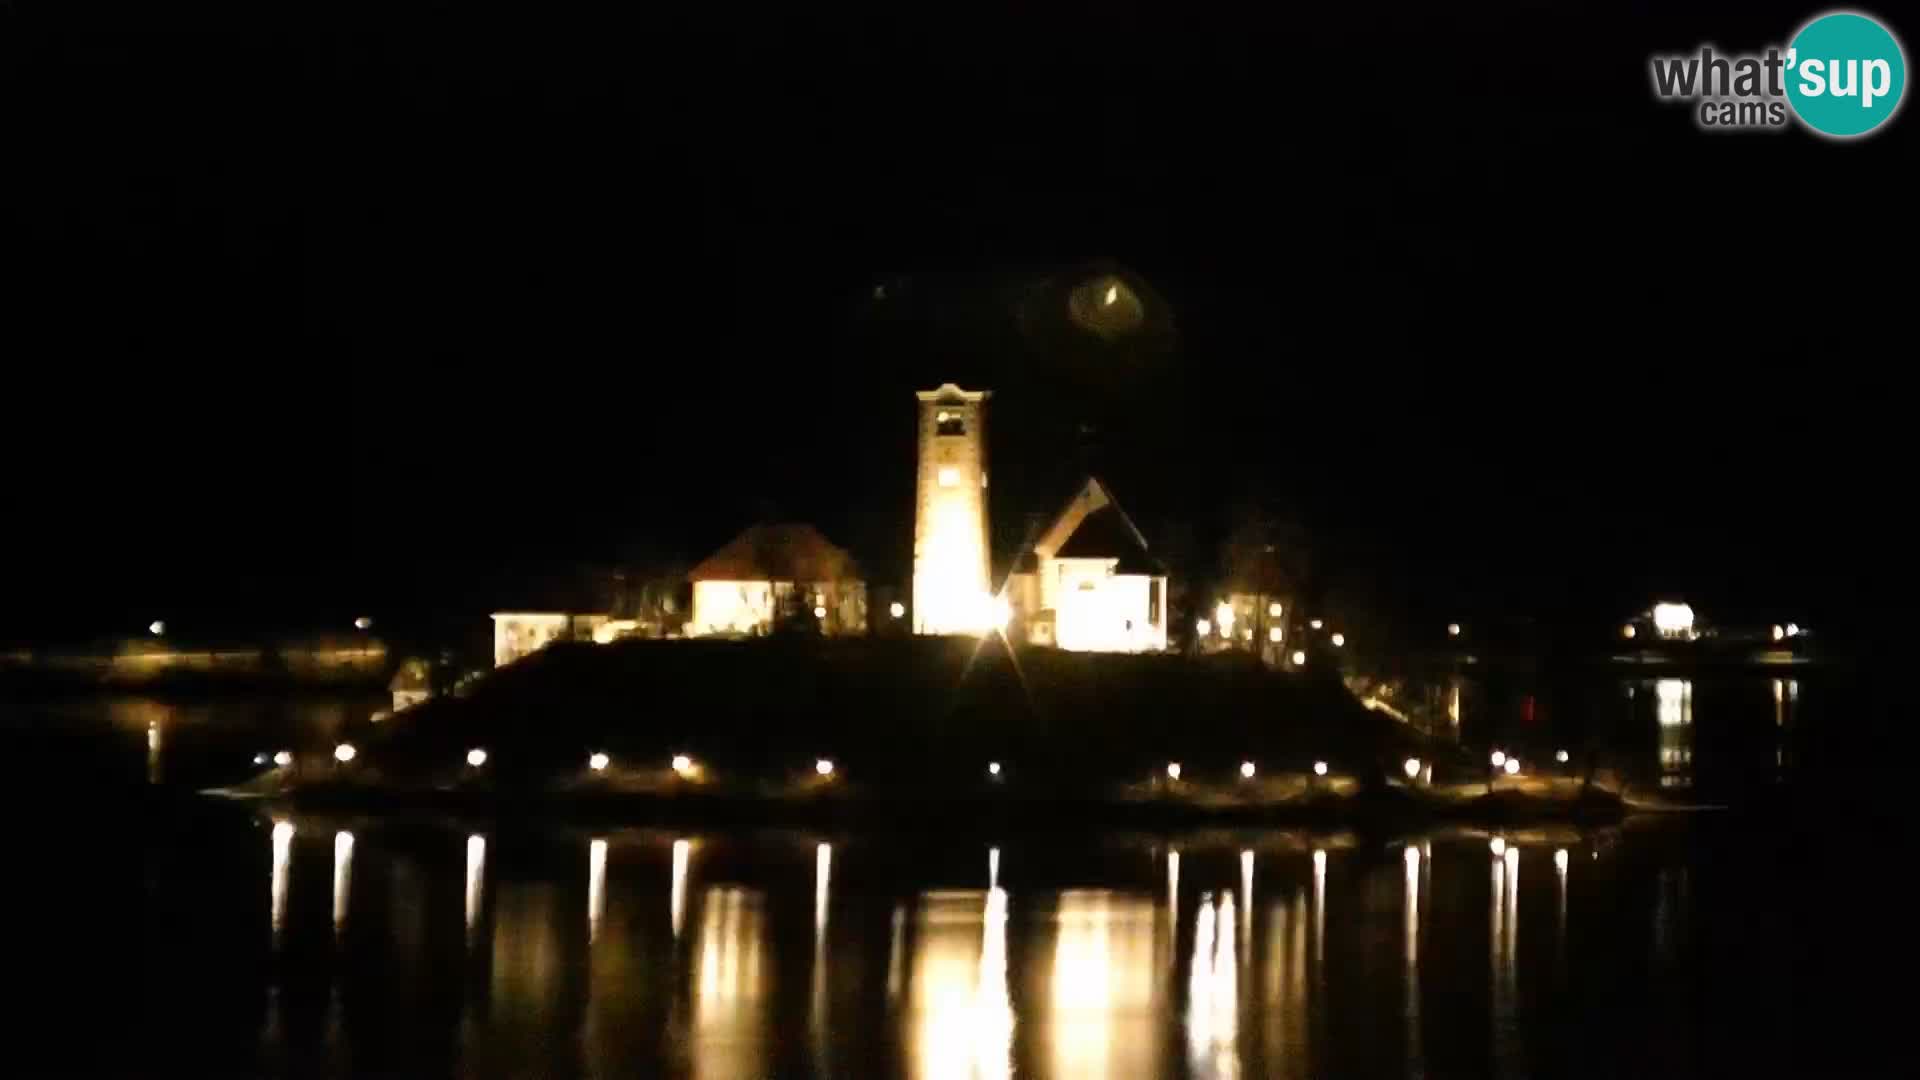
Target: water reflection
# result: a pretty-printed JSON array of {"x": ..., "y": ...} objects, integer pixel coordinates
[
  {"x": 1505, "y": 929},
  {"x": 1213, "y": 993},
  {"x": 342, "y": 877},
  {"x": 730, "y": 1023},
  {"x": 476, "y": 878},
  {"x": 1674, "y": 711},
  {"x": 1098, "y": 996},
  {"x": 282, "y": 855},
  {"x": 153, "y": 752},
  {"x": 962, "y": 1017},
  {"x": 596, "y": 888},
  {"x": 682, "y": 854},
  {"x": 1100, "y": 986}
]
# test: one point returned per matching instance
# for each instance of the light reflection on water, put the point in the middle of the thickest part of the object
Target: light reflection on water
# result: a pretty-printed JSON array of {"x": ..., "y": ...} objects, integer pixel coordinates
[{"x": 1267, "y": 972}]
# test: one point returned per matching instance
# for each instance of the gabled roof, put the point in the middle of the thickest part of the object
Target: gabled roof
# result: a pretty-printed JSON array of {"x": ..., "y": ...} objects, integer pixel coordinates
[
  {"x": 790, "y": 552},
  {"x": 1092, "y": 526}
]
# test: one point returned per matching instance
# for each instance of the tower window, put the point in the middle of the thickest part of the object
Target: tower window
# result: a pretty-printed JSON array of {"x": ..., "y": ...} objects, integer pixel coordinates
[
  {"x": 949, "y": 476},
  {"x": 949, "y": 423}
]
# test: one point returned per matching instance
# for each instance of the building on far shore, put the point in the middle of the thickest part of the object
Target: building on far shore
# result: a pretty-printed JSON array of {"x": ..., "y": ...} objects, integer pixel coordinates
[
  {"x": 1089, "y": 584},
  {"x": 519, "y": 633},
  {"x": 951, "y": 592},
  {"x": 778, "y": 577}
]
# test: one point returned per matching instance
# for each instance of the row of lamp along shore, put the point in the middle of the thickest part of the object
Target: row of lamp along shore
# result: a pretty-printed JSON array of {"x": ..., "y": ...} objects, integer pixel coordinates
[{"x": 685, "y": 767}]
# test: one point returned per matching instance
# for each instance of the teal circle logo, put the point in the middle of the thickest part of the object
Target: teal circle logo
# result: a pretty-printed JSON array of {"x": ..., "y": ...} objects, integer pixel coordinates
[{"x": 1845, "y": 74}]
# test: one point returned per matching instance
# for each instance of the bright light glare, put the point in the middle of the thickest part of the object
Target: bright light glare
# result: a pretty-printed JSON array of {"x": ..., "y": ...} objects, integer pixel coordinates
[
  {"x": 1202, "y": 627},
  {"x": 1412, "y": 767},
  {"x": 1274, "y": 634},
  {"x": 819, "y": 612},
  {"x": 1453, "y": 629},
  {"x": 283, "y": 759},
  {"x": 1299, "y": 658},
  {"x": 598, "y": 762},
  {"x": 1223, "y": 617},
  {"x": 1317, "y": 624},
  {"x": 1628, "y": 631},
  {"x": 1673, "y": 620},
  {"x": 156, "y": 627},
  {"x": 345, "y": 752},
  {"x": 1246, "y": 770},
  {"x": 824, "y": 767},
  {"x": 476, "y": 757},
  {"x": 1113, "y": 293},
  {"x": 1793, "y": 629},
  {"x": 1319, "y": 768},
  {"x": 993, "y": 768},
  {"x": 1560, "y": 860},
  {"x": 1338, "y": 640},
  {"x": 1560, "y": 756},
  {"x": 1779, "y": 631},
  {"x": 897, "y": 609},
  {"x": 1513, "y": 766},
  {"x": 682, "y": 764},
  {"x": 1498, "y": 845},
  {"x": 1173, "y": 770},
  {"x": 363, "y": 623},
  {"x": 1499, "y": 758},
  {"x": 259, "y": 759}
]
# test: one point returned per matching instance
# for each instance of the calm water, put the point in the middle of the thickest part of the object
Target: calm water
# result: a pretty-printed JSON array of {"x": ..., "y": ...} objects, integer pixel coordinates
[
  {"x": 432, "y": 949},
  {"x": 355, "y": 947}
]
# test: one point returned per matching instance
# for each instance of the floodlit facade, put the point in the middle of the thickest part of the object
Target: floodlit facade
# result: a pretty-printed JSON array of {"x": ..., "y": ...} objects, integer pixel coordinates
[
  {"x": 776, "y": 577},
  {"x": 1089, "y": 584},
  {"x": 951, "y": 594},
  {"x": 521, "y": 633}
]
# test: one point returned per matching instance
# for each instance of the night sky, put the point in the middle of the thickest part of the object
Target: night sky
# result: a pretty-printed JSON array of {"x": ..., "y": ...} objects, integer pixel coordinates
[{"x": 378, "y": 313}]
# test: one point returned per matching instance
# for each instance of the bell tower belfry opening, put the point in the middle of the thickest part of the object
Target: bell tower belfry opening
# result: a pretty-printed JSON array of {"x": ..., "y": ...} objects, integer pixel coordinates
[{"x": 950, "y": 587}]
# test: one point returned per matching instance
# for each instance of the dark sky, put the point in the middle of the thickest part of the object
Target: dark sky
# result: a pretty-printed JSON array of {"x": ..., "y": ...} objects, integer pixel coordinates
[{"x": 373, "y": 312}]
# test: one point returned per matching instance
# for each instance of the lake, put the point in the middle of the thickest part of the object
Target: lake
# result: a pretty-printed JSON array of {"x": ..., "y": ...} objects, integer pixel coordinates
[{"x": 312, "y": 946}]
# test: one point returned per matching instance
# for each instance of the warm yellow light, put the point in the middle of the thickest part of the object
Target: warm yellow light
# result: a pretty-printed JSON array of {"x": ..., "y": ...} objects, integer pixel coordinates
[
  {"x": 1411, "y": 855},
  {"x": 1273, "y": 634},
  {"x": 363, "y": 623},
  {"x": 993, "y": 768},
  {"x": 1338, "y": 640},
  {"x": 1113, "y": 293},
  {"x": 682, "y": 764},
  {"x": 1001, "y": 613},
  {"x": 1499, "y": 758},
  {"x": 819, "y": 612},
  {"x": 598, "y": 762},
  {"x": 949, "y": 476},
  {"x": 1779, "y": 631},
  {"x": 1299, "y": 658},
  {"x": 476, "y": 757},
  {"x": 1628, "y": 631},
  {"x": 1223, "y": 618},
  {"x": 1317, "y": 623},
  {"x": 1560, "y": 860},
  {"x": 1319, "y": 768},
  {"x": 345, "y": 752},
  {"x": 1246, "y": 770},
  {"x": 1202, "y": 627},
  {"x": 1560, "y": 756},
  {"x": 942, "y": 416},
  {"x": 1513, "y": 766},
  {"x": 824, "y": 767},
  {"x": 1673, "y": 620},
  {"x": 1498, "y": 845},
  {"x": 1453, "y": 629},
  {"x": 283, "y": 759},
  {"x": 1412, "y": 767},
  {"x": 897, "y": 609},
  {"x": 1173, "y": 770},
  {"x": 156, "y": 627},
  {"x": 1274, "y": 609}
]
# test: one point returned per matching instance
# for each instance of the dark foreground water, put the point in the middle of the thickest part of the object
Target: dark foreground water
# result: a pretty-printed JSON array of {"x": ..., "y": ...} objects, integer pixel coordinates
[
  {"x": 329, "y": 947},
  {"x": 326, "y": 947}
]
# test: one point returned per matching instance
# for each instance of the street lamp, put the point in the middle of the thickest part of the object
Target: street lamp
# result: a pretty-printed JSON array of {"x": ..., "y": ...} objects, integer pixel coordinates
[
  {"x": 1513, "y": 766},
  {"x": 156, "y": 627},
  {"x": 476, "y": 757},
  {"x": 283, "y": 759},
  {"x": 1246, "y": 770},
  {"x": 993, "y": 768},
  {"x": 1338, "y": 640},
  {"x": 1299, "y": 658},
  {"x": 1412, "y": 767},
  {"x": 1173, "y": 770},
  {"x": 823, "y": 766},
  {"x": 598, "y": 761},
  {"x": 345, "y": 753},
  {"x": 682, "y": 764},
  {"x": 1499, "y": 758},
  {"x": 1453, "y": 629},
  {"x": 896, "y": 609},
  {"x": 1319, "y": 768}
]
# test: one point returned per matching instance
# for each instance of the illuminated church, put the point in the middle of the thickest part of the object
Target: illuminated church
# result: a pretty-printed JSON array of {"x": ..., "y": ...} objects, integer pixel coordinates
[{"x": 1088, "y": 583}]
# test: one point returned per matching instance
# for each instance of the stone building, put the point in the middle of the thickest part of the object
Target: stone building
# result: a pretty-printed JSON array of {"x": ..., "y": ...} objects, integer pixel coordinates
[
  {"x": 951, "y": 592},
  {"x": 1088, "y": 583},
  {"x": 778, "y": 577}
]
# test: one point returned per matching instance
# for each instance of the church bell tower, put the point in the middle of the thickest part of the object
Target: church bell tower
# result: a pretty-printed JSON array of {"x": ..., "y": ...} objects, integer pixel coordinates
[{"x": 951, "y": 594}]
